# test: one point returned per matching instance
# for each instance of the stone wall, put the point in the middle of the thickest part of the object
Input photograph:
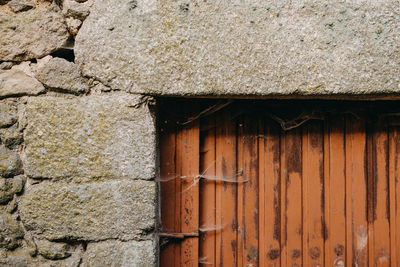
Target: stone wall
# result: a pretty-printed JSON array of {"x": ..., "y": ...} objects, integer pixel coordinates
[
  {"x": 77, "y": 158},
  {"x": 77, "y": 128}
]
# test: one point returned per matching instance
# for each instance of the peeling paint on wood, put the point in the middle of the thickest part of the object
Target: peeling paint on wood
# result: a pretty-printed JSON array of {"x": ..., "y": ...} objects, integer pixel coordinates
[{"x": 322, "y": 194}]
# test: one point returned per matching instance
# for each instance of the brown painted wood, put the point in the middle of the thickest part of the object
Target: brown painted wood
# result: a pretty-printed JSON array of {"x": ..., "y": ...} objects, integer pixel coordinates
[
  {"x": 335, "y": 193},
  {"x": 394, "y": 178},
  {"x": 380, "y": 193},
  {"x": 248, "y": 192},
  {"x": 168, "y": 194},
  {"x": 313, "y": 194},
  {"x": 238, "y": 190},
  {"x": 292, "y": 220},
  {"x": 226, "y": 191},
  {"x": 248, "y": 139},
  {"x": 188, "y": 170},
  {"x": 262, "y": 191},
  {"x": 283, "y": 202},
  {"x": 240, "y": 193},
  {"x": 357, "y": 235},
  {"x": 270, "y": 193},
  {"x": 207, "y": 200}
]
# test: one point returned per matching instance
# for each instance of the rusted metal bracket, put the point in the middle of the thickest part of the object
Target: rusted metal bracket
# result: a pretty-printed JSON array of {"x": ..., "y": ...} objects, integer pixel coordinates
[{"x": 178, "y": 235}]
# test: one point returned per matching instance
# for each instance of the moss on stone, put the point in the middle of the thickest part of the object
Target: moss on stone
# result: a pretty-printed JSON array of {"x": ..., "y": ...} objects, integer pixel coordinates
[{"x": 89, "y": 137}]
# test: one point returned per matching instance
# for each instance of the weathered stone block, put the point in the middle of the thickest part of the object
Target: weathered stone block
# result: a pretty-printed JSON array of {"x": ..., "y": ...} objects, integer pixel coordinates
[
  {"x": 6, "y": 65},
  {"x": 20, "y": 6},
  {"x": 6, "y": 192},
  {"x": 14, "y": 262},
  {"x": 11, "y": 232},
  {"x": 52, "y": 250},
  {"x": 60, "y": 74},
  {"x": 20, "y": 257},
  {"x": 96, "y": 211},
  {"x": 15, "y": 82},
  {"x": 76, "y": 9},
  {"x": 253, "y": 47},
  {"x": 10, "y": 163},
  {"x": 9, "y": 187},
  {"x": 120, "y": 254},
  {"x": 11, "y": 137},
  {"x": 18, "y": 183},
  {"x": 8, "y": 115},
  {"x": 92, "y": 137},
  {"x": 31, "y": 34},
  {"x": 73, "y": 25}
]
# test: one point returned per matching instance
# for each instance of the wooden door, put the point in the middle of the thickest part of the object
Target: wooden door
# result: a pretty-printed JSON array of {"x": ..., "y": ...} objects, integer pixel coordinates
[{"x": 279, "y": 183}]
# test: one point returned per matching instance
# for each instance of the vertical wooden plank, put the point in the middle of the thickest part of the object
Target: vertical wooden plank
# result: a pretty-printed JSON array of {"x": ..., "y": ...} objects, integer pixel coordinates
[
  {"x": 178, "y": 191},
  {"x": 283, "y": 207},
  {"x": 396, "y": 226},
  {"x": 291, "y": 187},
  {"x": 250, "y": 191},
  {"x": 188, "y": 157},
  {"x": 313, "y": 194},
  {"x": 262, "y": 216},
  {"x": 226, "y": 192},
  {"x": 394, "y": 175},
  {"x": 356, "y": 192},
  {"x": 240, "y": 193},
  {"x": 335, "y": 186},
  {"x": 394, "y": 189},
  {"x": 247, "y": 193},
  {"x": 207, "y": 192},
  {"x": 371, "y": 199},
  {"x": 380, "y": 191},
  {"x": 270, "y": 194},
  {"x": 168, "y": 196}
]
